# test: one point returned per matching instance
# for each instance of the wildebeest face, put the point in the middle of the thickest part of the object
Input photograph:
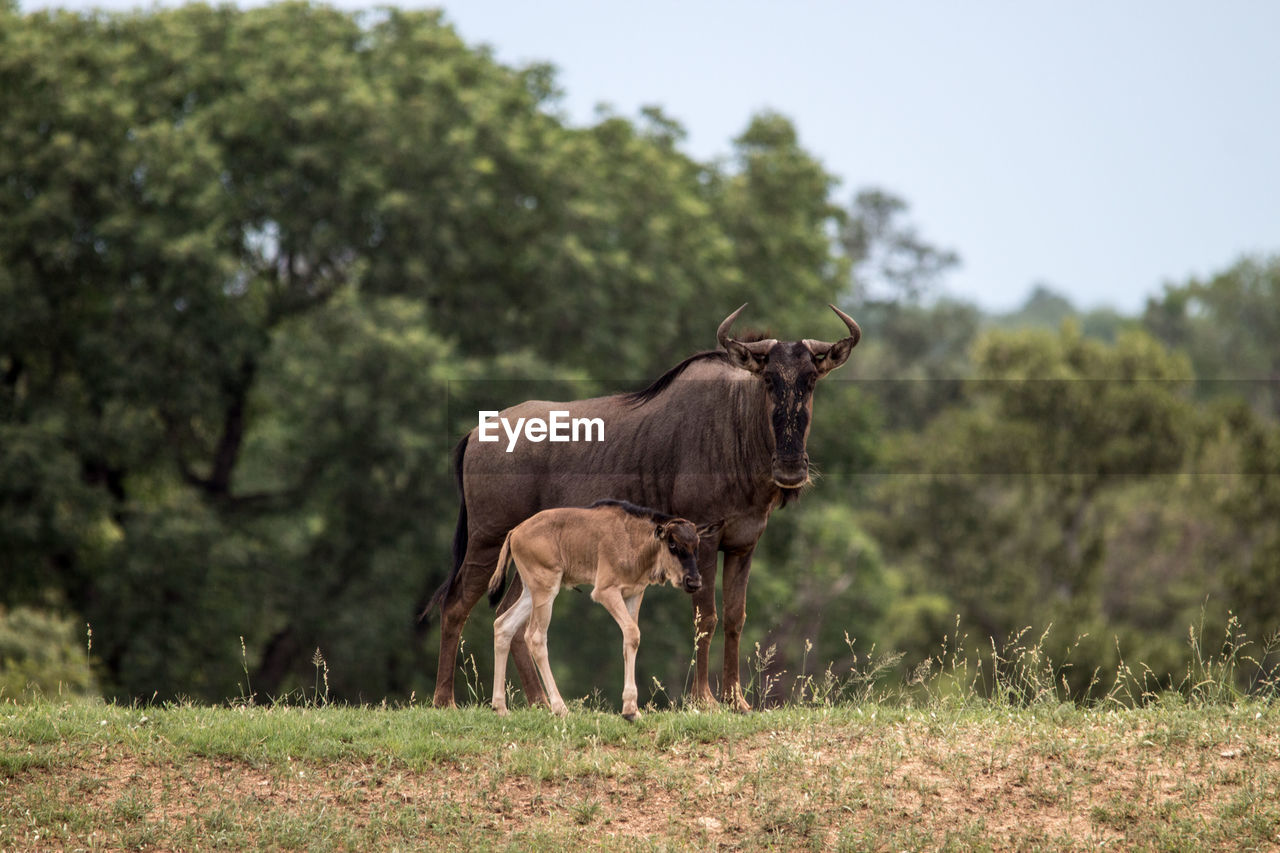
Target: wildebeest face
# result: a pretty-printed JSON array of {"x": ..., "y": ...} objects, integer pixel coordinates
[
  {"x": 789, "y": 370},
  {"x": 789, "y": 378},
  {"x": 678, "y": 560}
]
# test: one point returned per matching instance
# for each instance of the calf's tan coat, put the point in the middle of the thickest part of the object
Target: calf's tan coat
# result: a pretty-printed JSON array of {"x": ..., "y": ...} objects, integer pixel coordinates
[{"x": 619, "y": 548}]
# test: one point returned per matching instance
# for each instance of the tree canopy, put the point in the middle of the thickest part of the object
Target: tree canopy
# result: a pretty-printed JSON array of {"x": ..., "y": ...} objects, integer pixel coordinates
[{"x": 260, "y": 266}]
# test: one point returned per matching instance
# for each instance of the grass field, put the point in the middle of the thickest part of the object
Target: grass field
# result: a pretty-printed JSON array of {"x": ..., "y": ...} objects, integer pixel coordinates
[
  {"x": 960, "y": 775},
  {"x": 972, "y": 752}
]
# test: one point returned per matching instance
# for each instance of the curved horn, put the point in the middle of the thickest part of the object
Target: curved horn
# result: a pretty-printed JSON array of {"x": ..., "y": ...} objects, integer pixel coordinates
[
  {"x": 855, "y": 331},
  {"x": 722, "y": 333}
]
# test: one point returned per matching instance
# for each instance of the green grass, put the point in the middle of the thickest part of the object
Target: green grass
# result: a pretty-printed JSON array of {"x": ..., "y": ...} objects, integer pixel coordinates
[
  {"x": 942, "y": 775},
  {"x": 970, "y": 753}
]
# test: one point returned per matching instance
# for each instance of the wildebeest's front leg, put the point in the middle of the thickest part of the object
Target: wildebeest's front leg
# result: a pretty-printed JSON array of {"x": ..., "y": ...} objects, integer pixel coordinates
[
  {"x": 704, "y": 626},
  {"x": 624, "y": 612},
  {"x": 737, "y": 568}
]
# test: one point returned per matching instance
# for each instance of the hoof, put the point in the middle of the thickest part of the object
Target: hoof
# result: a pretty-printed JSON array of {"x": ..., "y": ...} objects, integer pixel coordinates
[
  {"x": 704, "y": 701},
  {"x": 631, "y": 716},
  {"x": 738, "y": 703}
]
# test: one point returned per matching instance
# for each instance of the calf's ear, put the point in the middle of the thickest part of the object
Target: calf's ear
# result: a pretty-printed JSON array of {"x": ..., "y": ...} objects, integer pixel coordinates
[
  {"x": 711, "y": 528},
  {"x": 659, "y": 531}
]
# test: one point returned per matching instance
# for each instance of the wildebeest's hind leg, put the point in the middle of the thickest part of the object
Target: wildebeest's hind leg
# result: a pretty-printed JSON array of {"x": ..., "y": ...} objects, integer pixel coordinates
[
  {"x": 505, "y": 628},
  {"x": 469, "y": 587},
  {"x": 471, "y": 584}
]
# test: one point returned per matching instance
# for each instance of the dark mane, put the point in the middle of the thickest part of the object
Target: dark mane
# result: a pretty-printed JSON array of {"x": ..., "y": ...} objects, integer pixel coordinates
[
  {"x": 639, "y": 398},
  {"x": 634, "y": 509}
]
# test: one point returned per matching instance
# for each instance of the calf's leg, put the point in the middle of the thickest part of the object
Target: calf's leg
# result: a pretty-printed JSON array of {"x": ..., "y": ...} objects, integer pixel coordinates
[
  {"x": 505, "y": 628},
  {"x": 535, "y": 636},
  {"x": 624, "y": 612},
  {"x": 525, "y": 668}
]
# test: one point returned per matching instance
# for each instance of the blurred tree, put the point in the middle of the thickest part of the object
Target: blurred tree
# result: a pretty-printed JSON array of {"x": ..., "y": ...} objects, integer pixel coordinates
[
  {"x": 261, "y": 261},
  {"x": 1228, "y": 326},
  {"x": 890, "y": 262},
  {"x": 912, "y": 363},
  {"x": 41, "y": 655},
  {"x": 1247, "y": 501},
  {"x": 1003, "y": 502},
  {"x": 833, "y": 599},
  {"x": 777, "y": 210},
  {"x": 915, "y": 364},
  {"x": 260, "y": 268},
  {"x": 1045, "y": 308}
]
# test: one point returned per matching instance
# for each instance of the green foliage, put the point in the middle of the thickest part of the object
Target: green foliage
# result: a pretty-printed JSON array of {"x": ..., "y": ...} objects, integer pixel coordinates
[
  {"x": 1246, "y": 506},
  {"x": 778, "y": 215},
  {"x": 1005, "y": 503},
  {"x": 891, "y": 263},
  {"x": 263, "y": 263},
  {"x": 1228, "y": 326},
  {"x": 261, "y": 267},
  {"x": 1048, "y": 309},
  {"x": 914, "y": 365},
  {"x": 41, "y": 655},
  {"x": 822, "y": 576}
]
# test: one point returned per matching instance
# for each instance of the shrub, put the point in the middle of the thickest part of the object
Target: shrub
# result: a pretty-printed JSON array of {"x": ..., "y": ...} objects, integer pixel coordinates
[{"x": 40, "y": 655}]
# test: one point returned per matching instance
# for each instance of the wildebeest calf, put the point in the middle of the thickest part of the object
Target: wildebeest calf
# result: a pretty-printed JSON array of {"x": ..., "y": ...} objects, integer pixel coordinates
[{"x": 619, "y": 547}]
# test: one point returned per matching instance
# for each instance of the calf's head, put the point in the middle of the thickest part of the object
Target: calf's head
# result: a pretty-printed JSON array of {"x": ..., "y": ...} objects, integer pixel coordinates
[
  {"x": 789, "y": 371},
  {"x": 677, "y": 559}
]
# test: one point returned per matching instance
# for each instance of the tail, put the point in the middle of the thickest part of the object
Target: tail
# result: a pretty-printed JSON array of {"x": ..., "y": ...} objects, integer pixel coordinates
[
  {"x": 459, "y": 535},
  {"x": 498, "y": 583}
]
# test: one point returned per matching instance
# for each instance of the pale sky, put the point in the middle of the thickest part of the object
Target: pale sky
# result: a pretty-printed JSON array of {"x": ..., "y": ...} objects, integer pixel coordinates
[{"x": 1101, "y": 148}]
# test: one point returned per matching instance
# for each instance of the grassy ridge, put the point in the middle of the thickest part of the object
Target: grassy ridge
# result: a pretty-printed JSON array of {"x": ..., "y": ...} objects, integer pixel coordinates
[{"x": 968, "y": 775}]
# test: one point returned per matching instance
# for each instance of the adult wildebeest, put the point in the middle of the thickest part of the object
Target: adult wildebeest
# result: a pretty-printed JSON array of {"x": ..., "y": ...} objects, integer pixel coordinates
[
  {"x": 620, "y": 549},
  {"x": 719, "y": 436}
]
